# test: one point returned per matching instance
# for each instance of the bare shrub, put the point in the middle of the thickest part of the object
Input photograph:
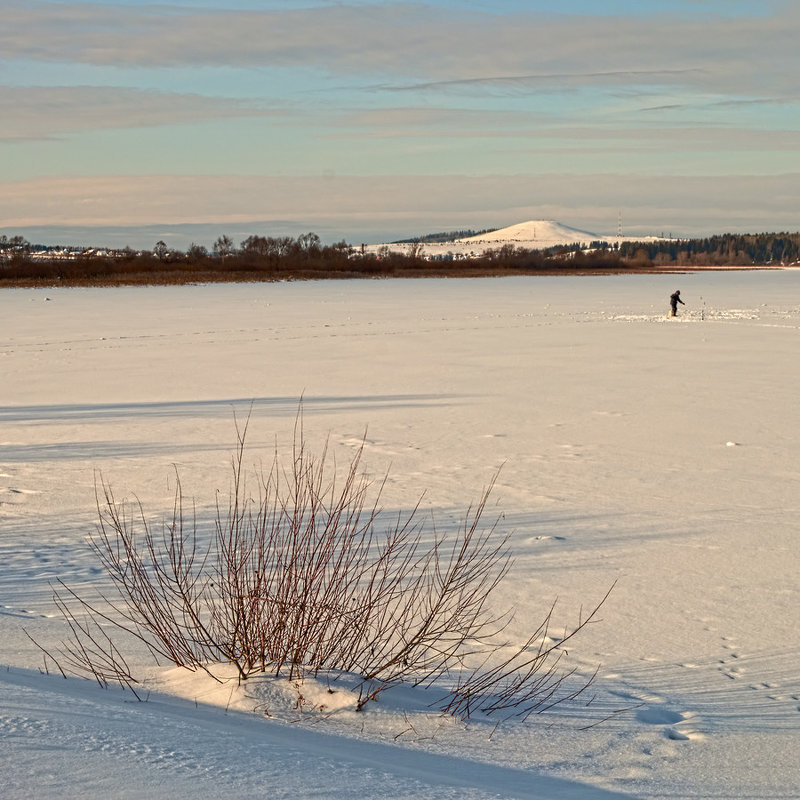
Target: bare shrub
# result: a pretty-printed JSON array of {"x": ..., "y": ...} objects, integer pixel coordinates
[{"x": 306, "y": 575}]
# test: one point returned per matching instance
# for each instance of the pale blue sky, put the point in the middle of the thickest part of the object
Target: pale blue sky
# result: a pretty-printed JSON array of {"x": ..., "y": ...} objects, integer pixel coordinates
[{"x": 375, "y": 120}]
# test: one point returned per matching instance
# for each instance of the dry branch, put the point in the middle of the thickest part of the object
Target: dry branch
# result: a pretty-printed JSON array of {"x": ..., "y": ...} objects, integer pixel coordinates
[{"x": 305, "y": 576}]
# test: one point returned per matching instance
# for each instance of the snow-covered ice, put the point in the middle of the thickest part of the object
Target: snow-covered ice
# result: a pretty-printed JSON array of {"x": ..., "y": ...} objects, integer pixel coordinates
[{"x": 657, "y": 453}]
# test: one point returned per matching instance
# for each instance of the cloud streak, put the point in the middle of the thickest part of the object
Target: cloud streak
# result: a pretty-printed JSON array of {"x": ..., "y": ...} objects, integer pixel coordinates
[
  {"x": 552, "y": 81},
  {"x": 403, "y": 205},
  {"x": 444, "y": 49},
  {"x": 47, "y": 112},
  {"x": 169, "y": 106}
]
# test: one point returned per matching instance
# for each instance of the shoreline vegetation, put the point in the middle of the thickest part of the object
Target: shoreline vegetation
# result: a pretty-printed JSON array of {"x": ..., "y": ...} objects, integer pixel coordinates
[{"x": 265, "y": 259}]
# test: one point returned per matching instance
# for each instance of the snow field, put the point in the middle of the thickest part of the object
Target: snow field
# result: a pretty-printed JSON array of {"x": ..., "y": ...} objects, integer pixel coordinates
[{"x": 657, "y": 453}]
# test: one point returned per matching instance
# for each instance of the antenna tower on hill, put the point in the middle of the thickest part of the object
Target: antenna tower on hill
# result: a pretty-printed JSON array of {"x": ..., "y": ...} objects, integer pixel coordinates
[{"x": 619, "y": 225}]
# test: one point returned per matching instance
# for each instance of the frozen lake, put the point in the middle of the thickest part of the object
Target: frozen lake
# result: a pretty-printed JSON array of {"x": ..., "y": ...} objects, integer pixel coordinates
[{"x": 658, "y": 453}]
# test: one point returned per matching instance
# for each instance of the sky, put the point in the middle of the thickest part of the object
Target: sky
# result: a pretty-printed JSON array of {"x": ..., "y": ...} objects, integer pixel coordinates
[{"x": 125, "y": 122}]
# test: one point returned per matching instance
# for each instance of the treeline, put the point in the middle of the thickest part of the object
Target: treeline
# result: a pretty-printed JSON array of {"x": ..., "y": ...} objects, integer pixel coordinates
[
  {"x": 257, "y": 257},
  {"x": 444, "y": 236},
  {"x": 273, "y": 258},
  {"x": 728, "y": 249},
  {"x": 306, "y": 257}
]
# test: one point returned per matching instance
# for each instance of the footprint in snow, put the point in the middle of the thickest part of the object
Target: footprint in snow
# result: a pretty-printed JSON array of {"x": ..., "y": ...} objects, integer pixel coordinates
[
  {"x": 679, "y": 725},
  {"x": 658, "y": 715},
  {"x": 682, "y": 735}
]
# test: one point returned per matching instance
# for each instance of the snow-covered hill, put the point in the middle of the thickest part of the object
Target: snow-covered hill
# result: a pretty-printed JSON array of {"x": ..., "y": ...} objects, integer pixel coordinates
[{"x": 535, "y": 234}]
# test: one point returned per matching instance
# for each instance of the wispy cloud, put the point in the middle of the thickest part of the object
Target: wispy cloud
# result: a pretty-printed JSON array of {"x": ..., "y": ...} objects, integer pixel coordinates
[
  {"x": 553, "y": 81},
  {"x": 407, "y": 205},
  {"x": 732, "y": 103},
  {"x": 46, "y": 112},
  {"x": 416, "y": 94},
  {"x": 760, "y": 101},
  {"x": 436, "y": 46}
]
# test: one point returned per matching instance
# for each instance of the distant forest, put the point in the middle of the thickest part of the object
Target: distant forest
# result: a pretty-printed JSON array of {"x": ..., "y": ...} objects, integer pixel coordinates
[
  {"x": 728, "y": 249},
  {"x": 306, "y": 257},
  {"x": 444, "y": 236}
]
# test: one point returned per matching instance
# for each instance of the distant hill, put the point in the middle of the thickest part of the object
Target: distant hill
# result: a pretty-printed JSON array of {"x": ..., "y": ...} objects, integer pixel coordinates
[{"x": 535, "y": 234}]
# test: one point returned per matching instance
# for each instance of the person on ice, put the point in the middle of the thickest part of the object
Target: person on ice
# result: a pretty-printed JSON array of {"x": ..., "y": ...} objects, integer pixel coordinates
[{"x": 674, "y": 299}]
